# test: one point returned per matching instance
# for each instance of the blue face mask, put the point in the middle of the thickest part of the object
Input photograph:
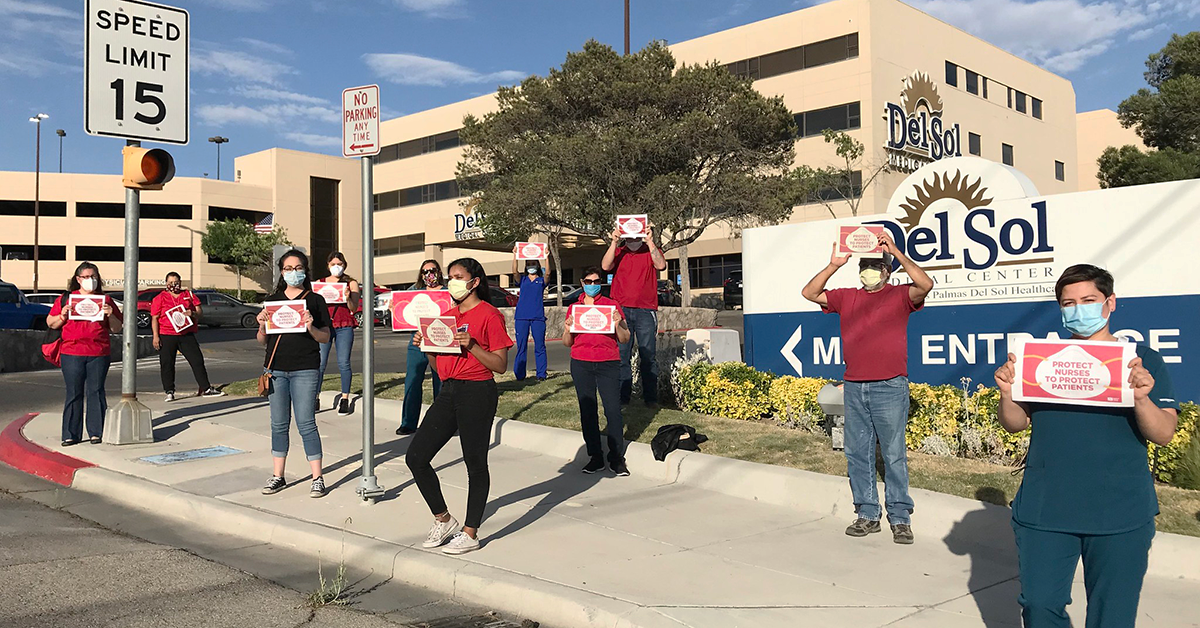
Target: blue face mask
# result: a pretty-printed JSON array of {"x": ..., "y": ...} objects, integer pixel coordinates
[
  {"x": 1084, "y": 319},
  {"x": 591, "y": 290},
  {"x": 294, "y": 278}
]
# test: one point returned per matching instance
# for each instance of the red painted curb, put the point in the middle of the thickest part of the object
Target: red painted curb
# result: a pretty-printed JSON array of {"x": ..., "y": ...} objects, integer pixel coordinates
[{"x": 17, "y": 452}]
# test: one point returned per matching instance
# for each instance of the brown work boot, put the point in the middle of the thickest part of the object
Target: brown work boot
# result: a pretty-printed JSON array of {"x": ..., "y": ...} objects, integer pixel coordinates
[
  {"x": 862, "y": 527},
  {"x": 902, "y": 533}
]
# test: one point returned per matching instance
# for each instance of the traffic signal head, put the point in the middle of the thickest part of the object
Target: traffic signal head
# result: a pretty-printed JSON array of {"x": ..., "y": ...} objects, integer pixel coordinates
[{"x": 147, "y": 168}]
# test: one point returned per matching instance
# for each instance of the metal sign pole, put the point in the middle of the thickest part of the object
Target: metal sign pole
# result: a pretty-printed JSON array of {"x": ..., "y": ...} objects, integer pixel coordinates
[
  {"x": 130, "y": 421},
  {"x": 368, "y": 487}
]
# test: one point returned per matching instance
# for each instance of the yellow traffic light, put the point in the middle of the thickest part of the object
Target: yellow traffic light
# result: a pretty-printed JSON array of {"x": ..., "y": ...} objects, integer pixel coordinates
[{"x": 147, "y": 168}]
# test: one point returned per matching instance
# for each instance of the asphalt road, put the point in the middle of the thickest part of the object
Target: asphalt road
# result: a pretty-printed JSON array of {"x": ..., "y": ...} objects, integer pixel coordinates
[{"x": 229, "y": 355}]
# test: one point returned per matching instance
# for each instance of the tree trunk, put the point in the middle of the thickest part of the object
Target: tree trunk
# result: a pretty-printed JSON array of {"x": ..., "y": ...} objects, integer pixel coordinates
[
  {"x": 239, "y": 283},
  {"x": 557, "y": 266},
  {"x": 685, "y": 278}
]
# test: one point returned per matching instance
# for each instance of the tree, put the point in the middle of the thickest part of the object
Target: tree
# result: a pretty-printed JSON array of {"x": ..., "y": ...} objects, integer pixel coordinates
[
  {"x": 239, "y": 247},
  {"x": 606, "y": 134},
  {"x": 835, "y": 184},
  {"x": 1166, "y": 117}
]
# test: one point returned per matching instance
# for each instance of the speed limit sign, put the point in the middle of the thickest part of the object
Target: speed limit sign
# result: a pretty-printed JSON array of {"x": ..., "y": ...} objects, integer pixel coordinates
[{"x": 136, "y": 71}]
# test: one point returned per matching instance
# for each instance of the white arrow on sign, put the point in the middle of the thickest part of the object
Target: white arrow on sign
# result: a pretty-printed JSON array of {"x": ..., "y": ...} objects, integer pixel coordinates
[{"x": 789, "y": 351}]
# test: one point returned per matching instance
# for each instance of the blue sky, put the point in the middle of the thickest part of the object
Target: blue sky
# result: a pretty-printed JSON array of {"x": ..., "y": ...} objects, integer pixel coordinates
[{"x": 269, "y": 73}]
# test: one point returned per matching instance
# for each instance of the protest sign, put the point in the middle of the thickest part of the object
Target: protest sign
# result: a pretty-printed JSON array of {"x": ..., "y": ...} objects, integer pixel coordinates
[{"x": 1077, "y": 372}]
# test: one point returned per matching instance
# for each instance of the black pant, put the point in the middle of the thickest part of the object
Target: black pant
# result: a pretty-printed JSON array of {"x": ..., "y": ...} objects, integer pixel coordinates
[
  {"x": 470, "y": 408},
  {"x": 605, "y": 378},
  {"x": 190, "y": 348}
]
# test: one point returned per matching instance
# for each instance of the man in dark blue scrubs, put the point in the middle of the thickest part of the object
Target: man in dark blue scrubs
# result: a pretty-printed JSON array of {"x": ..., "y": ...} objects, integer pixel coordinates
[{"x": 1087, "y": 491}]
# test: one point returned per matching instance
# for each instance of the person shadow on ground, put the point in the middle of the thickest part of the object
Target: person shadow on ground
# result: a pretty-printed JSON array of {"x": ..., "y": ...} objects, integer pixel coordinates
[
  {"x": 986, "y": 537},
  {"x": 569, "y": 483}
]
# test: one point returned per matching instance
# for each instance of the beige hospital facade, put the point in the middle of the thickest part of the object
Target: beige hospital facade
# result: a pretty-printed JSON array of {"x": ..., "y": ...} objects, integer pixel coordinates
[{"x": 878, "y": 69}]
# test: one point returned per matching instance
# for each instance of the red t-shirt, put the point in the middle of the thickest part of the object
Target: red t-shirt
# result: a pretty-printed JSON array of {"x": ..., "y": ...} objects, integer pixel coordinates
[
  {"x": 874, "y": 330},
  {"x": 595, "y": 347},
  {"x": 85, "y": 338},
  {"x": 635, "y": 280},
  {"x": 164, "y": 301},
  {"x": 485, "y": 324}
]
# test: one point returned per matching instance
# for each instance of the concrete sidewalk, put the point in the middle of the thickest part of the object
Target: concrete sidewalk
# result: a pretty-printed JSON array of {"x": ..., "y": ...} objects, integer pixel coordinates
[{"x": 579, "y": 550}]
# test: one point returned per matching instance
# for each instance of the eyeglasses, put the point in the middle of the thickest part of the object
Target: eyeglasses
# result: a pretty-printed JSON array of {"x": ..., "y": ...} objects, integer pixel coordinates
[
  {"x": 428, "y": 271},
  {"x": 292, "y": 268},
  {"x": 593, "y": 282}
]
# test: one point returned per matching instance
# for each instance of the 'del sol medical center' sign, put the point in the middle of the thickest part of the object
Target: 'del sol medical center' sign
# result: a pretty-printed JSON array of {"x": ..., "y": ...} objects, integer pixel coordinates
[{"x": 994, "y": 248}]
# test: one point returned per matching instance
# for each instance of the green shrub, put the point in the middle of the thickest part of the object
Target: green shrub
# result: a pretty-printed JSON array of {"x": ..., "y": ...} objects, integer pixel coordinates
[
  {"x": 1165, "y": 459},
  {"x": 246, "y": 296},
  {"x": 729, "y": 389},
  {"x": 794, "y": 401}
]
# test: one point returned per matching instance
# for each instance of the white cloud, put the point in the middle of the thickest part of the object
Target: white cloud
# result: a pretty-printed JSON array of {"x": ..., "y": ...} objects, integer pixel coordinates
[
  {"x": 1145, "y": 33},
  {"x": 314, "y": 140},
  {"x": 282, "y": 115},
  {"x": 409, "y": 69},
  {"x": 433, "y": 8},
  {"x": 220, "y": 115},
  {"x": 237, "y": 65},
  {"x": 243, "y": 5},
  {"x": 19, "y": 7},
  {"x": 258, "y": 92},
  {"x": 266, "y": 46},
  {"x": 1060, "y": 35}
]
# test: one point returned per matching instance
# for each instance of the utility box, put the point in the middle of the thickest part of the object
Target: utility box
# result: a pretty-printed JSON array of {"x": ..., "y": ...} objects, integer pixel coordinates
[
  {"x": 832, "y": 401},
  {"x": 713, "y": 345}
]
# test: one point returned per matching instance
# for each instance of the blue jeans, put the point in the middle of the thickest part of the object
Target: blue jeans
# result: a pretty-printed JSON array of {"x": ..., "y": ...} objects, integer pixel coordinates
[
  {"x": 878, "y": 410},
  {"x": 643, "y": 328},
  {"x": 343, "y": 337},
  {"x": 294, "y": 392},
  {"x": 84, "y": 378},
  {"x": 414, "y": 377},
  {"x": 523, "y": 327}
]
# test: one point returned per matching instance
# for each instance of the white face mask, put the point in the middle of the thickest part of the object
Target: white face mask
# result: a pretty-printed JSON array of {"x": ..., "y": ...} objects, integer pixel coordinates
[
  {"x": 88, "y": 284},
  {"x": 336, "y": 270},
  {"x": 532, "y": 270},
  {"x": 871, "y": 278},
  {"x": 458, "y": 289}
]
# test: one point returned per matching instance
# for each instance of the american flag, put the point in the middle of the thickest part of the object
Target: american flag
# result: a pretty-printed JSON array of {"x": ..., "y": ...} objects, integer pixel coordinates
[{"x": 266, "y": 225}]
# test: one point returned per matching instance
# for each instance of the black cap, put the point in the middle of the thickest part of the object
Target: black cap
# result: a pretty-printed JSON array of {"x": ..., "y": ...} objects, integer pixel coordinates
[{"x": 869, "y": 262}]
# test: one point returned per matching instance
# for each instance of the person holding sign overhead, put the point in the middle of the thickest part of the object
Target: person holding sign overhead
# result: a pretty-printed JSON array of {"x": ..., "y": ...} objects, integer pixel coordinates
[
  {"x": 293, "y": 324},
  {"x": 173, "y": 315},
  {"x": 635, "y": 263},
  {"x": 86, "y": 317},
  {"x": 530, "y": 315},
  {"x": 596, "y": 368},
  {"x": 341, "y": 314},
  {"x": 874, "y": 325},
  {"x": 467, "y": 405},
  {"x": 1087, "y": 492},
  {"x": 429, "y": 277}
]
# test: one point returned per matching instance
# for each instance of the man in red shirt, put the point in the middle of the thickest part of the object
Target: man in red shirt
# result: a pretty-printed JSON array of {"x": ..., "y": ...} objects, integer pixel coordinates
[
  {"x": 173, "y": 315},
  {"x": 874, "y": 322},
  {"x": 635, "y": 264}
]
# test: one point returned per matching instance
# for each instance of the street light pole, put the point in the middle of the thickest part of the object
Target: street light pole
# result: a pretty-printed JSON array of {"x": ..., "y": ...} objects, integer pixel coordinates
[
  {"x": 37, "y": 193},
  {"x": 61, "y": 134},
  {"x": 218, "y": 140},
  {"x": 627, "y": 28}
]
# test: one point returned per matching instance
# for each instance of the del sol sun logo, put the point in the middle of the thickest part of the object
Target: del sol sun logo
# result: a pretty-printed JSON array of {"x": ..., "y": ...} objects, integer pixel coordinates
[{"x": 917, "y": 134}]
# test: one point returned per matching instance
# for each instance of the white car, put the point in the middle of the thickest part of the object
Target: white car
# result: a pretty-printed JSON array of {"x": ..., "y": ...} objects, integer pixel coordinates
[{"x": 552, "y": 292}]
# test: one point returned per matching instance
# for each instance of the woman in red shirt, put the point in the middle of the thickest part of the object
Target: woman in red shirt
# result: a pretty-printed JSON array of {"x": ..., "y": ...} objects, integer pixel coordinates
[
  {"x": 171, "y": 338},
  {"x": 467, "y": 404},
  {"x": 596, "y": 366},
  {"x": 342, "y": 315},
  {"x": 85, "y": 350}
]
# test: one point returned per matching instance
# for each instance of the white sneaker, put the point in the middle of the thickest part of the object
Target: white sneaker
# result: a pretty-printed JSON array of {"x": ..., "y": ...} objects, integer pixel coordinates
[
  {"x": 461, "y": 544},
  {"x": 171, "y": 396},
  {"x": 441, "y": 532}
]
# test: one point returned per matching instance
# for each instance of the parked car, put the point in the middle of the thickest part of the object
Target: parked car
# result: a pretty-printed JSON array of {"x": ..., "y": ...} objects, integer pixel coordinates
[
  {"x": 16, "y": 312},
  {"x": 669, "y": 294},
  {"x": 145, "y": 297},
  {"x": 502, "y": 298},
  {"x": 219, "y": 309},
  {"x": 733, "y": 290},
  {"x": 45, "y": 298},
  {"x": 551, "y": 297}
]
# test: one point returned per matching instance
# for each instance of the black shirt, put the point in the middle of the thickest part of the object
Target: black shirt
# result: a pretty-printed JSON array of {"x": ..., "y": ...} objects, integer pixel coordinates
[{"x": 298, "y": 352}]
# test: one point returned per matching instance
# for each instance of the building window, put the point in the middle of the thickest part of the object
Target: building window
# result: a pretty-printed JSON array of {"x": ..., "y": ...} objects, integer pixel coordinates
[
  {"x": 25, "y": 208},
  {"x": 1036, "y": 107},
  {"x": 428, "y": 193},
  {"x": 323, "y": 224},
  {"x": 846, "y": 190},
  {"x": 984, "y": 81},
  {"x": 1010, "y": 98},
  {"x": 707, "y": 272},
  {"x": 419, "y": 146},
  {"x": 145, "y": 253},
  {"x": 400, "y": 244},
  {"x": 46, "y": 252},
  {"x": 1007, "y": 152},
  {"x": 147, "y": 211},
  {"x": 972, "y": 83},
  {"x": 220, "y": 214},
  {"x": 973, "y": 144},
  {"x": 951, "y": 74},
  {"x": 1060, "y": 171},
  {"x": 837, "y": 118},
  {"x": 798, "y": 58},
  {"x": 1022, "y": 107}
]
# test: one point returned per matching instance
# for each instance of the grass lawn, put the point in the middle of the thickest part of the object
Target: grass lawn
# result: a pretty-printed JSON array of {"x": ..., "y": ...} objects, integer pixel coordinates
[{"x": 553, "y": 403}]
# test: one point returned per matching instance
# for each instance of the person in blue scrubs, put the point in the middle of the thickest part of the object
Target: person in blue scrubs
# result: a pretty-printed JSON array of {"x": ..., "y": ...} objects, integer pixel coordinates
[
  {"x": 530, "y": 317},
  {"x": 1087, "y": 492}
]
